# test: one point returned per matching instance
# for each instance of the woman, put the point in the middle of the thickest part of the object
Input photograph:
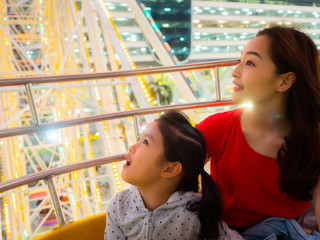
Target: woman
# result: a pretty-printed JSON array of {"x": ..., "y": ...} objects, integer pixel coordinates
[{"x": 266, "y": 159}]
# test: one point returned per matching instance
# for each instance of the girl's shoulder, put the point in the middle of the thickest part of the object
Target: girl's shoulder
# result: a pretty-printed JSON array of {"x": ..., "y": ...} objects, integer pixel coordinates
[
  {"x": 127, "y": 195},
  {"x": 181, "y": 199},
  {"x": 184, "y": 196},
  {"x": 228, "y": 234},
  {"x": 126, "y": 192}
]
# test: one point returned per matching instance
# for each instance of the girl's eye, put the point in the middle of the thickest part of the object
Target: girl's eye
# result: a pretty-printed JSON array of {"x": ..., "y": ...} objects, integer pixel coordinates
[
  {"x": 145, "y": 142},
  {"x": 249, "y": 63}
]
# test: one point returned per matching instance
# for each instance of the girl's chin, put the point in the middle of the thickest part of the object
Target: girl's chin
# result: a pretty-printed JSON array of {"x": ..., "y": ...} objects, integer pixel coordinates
[{"x": 123, "y": 177}]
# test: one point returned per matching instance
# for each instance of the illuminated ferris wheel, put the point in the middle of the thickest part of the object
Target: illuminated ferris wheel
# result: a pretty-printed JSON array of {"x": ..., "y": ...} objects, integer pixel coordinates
[
  {"x": 52, "y": 38},
  {"x": 44, "y": 37}
]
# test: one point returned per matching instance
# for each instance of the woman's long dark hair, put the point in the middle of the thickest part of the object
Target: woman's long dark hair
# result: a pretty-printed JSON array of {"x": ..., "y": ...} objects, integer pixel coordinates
[
  {"x": 291, "y": 50},
  {"x": 185, "y": 144}
]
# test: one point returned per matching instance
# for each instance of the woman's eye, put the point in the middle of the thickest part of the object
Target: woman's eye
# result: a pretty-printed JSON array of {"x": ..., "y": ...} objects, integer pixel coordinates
[{"x": 249, "y": 63}]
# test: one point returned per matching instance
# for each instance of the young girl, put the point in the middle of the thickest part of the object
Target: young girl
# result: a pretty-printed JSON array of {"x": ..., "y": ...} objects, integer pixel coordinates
[{"x": 164, "y": 203}]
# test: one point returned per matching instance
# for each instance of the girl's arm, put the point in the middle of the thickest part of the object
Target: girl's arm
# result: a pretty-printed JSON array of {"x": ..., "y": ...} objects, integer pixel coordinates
[
  {"x": 316, "y": 200},
  {"x": 113, "y": 230}
]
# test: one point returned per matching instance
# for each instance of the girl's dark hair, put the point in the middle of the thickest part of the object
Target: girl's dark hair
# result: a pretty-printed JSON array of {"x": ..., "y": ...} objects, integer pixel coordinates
[
  {"x": 291, "y": 50},
  {"x": 185, "y": 144}
]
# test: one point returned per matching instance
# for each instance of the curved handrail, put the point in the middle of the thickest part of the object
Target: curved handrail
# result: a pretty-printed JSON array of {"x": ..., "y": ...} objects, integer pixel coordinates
[
  {"x": 17, "y": 182},
  {"x": 49, "y": 173},
  {"x": 5, "y": 82},
  {"x": 30, "y": 178},
  {"x": 9, "y": 132}
]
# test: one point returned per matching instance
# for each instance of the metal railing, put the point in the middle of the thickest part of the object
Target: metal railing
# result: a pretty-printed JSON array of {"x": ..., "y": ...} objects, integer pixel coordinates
[
  {"x": 6, "y": 82},
  {"x": 49, "y": 173}
]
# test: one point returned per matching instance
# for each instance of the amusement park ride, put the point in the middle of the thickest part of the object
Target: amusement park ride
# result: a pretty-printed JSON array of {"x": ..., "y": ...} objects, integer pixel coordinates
[{"x": 49, "y": 41}]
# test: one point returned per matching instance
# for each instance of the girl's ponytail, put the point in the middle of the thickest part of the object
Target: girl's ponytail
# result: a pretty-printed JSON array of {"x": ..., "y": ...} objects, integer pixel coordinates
[
  {"x": 184, "y": 143},
  {"x": 210, "y": 208}
]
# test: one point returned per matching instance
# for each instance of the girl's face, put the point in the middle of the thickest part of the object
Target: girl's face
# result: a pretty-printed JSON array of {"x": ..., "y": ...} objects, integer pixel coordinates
[
  {"x": 255, "y": 79},
  {"x": 144, "y": 161}
]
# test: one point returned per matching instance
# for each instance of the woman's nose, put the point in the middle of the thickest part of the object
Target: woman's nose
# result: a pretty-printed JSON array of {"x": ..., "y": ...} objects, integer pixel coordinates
[{"x": 235, "y": 72}]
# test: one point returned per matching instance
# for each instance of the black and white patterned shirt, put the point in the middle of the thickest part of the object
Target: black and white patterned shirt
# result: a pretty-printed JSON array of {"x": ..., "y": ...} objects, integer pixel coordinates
[{"x": 128, "y": 218}]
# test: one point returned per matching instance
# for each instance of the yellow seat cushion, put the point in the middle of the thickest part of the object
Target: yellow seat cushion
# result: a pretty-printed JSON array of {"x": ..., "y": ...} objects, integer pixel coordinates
[{"x": 87, "y": 228}]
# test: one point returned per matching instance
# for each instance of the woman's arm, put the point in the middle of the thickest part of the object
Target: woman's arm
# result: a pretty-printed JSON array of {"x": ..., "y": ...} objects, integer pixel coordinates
[{"x": 316, "y": 200}]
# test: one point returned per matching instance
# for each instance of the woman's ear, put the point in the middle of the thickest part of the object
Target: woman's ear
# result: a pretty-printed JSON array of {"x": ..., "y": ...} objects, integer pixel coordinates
[
  {"x": 286, "y": 81},
  {"x": 171, "y": 169}
]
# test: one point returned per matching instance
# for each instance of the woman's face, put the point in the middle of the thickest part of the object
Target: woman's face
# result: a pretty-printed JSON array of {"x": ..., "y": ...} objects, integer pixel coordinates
[{"x": 255, "y": 79}]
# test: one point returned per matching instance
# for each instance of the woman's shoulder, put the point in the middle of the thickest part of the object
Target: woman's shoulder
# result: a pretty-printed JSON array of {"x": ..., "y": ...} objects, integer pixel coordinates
[
  {"x": 222, "y": 116},
  {"x": 218, "y": 120}
]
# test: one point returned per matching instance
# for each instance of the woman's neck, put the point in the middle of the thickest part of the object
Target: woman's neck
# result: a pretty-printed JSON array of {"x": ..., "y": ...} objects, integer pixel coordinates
[
  {"x": 266, "y": 118},
  {"x": 264, "y": 130}
]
